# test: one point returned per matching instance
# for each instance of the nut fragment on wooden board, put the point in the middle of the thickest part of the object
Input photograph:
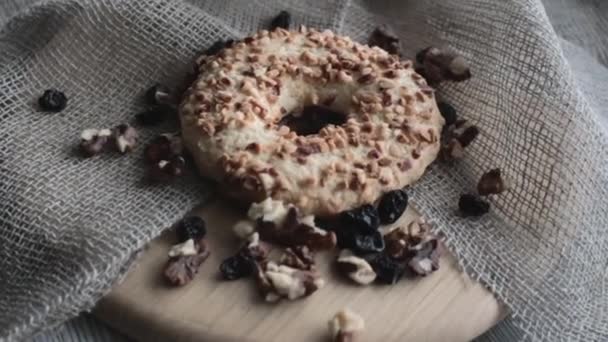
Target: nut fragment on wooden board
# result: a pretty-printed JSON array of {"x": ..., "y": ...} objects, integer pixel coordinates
[{"x": 345, "y": 326}]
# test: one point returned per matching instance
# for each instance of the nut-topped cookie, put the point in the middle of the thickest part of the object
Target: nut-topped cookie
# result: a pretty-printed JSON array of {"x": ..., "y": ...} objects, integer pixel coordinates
[{"x": 383, "y": 133}]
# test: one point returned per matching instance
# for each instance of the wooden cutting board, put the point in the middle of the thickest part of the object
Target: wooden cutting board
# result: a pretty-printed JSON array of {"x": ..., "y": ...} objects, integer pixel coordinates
[{"x": 445, "y": 306}]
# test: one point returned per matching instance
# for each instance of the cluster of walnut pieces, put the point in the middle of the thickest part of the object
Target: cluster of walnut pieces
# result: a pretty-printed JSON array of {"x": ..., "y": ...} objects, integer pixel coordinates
[
  {"x": 123, "y": 138},
  {"x": 409, "y": 249},
  {"x": 294, "y": 274}
]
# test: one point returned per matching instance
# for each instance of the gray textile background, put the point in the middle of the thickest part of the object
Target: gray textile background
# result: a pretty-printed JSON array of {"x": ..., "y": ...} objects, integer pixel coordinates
[{"x": 69, "y": 226}]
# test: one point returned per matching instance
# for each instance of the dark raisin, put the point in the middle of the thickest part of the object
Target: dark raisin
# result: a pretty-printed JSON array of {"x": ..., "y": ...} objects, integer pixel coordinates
[
  {"x": 421, "y": 55},
  {"x": 367, "y": 243},
  {"x": 388, "y": 271},
  {"x": 236, "y": 267},
  {"x": 326, "y": 222},
  {"x": 158, "y": 149},
  {"x": 448, "y": 112},
  {"x": 471, "y": 205},
  {"x": 158, "y": 94},
  {"x": 282, "y": 20},
  {"x": 392, "y": 205},
  {"x": 166, "y": 170},
  {"x": 363, "y": 219},
  {"x": 467, "y": 137},
  {"x": 178, "y": 165},
  {"x": 218, "y": 46},
  {"x": 344, "y": 238},
  {"x": 52, "y": 101},
  {"x": 191, "y": 227},
  {"x": 155, "y": 115}
]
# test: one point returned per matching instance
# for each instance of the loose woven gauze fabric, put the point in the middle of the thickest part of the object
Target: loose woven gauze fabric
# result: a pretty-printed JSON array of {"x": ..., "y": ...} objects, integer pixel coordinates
[{"x": 70, "y": 226}]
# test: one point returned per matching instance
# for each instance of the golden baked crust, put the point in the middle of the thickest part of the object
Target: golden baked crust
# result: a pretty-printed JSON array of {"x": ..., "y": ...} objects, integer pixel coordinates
[{"x": 230, "y": 120}]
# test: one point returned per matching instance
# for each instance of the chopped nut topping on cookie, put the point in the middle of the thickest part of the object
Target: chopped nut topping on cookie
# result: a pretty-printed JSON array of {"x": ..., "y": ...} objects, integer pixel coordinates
[{"x": 241, "y": 119}]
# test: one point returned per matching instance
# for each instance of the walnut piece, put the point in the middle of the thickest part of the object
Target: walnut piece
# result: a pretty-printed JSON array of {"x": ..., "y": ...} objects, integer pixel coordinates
[
  {"x": 93, "y": 141},
  {"x": 294, "y": 232},
  {"x": 183, "y": 249},
  {"x": 300, "y": 257},
  {"x": 268, "y": 210},
  {"x": 125, "y": 138},
  {"x": 181, "y": 270},
  {"x": 356, "y": 268},
  {"x": 165, "y": 170},
  {"x": 345, "y": 326},
  {"x": 426, "y": 256},
  {"x": 287, "y": 282},
  {"x": 491, "y": 182}
]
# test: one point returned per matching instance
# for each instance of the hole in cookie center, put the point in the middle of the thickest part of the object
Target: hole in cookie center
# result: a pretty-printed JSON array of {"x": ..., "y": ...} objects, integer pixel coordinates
[{"x": 312, "y": 119}]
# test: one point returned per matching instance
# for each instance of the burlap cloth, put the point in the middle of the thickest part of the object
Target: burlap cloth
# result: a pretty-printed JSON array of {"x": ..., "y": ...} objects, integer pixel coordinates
[{"x": 69, "y": 227}]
